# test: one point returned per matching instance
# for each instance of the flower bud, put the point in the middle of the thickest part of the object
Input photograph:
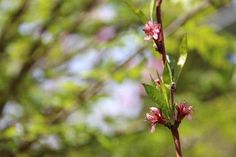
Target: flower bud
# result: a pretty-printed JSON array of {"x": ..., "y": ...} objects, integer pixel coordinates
[
  {"x": 183, "y": 109},
  {"x": 154, "y": 117},
  {"x": 152, "y": 30}
]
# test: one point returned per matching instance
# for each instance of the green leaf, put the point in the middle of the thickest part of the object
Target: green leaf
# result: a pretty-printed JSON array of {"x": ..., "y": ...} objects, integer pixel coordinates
[
  {"x": 142, "y": 17},
  {"x": 152, "y": 7},
  {"x": 155, "y": 94},
  {"x": 168, "y": 73},
  {"x": 182, "y": 59}
]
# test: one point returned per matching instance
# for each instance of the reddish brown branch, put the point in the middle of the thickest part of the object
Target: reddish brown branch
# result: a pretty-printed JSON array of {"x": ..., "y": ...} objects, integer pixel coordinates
[
  {"x": 160, "y": 44},
  {"x": 175, "y": 134},
  {"x": 161, "y": 48}
]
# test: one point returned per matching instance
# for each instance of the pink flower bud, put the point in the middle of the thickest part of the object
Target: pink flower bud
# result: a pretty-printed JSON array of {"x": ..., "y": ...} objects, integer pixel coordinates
[
  {"x": 152, "y": 30},
  {"x": 183, "y": 109},
  {"x": 154, "y": 117}
]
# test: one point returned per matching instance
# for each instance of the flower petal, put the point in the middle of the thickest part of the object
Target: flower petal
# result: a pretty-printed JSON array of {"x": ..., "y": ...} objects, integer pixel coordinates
[
  {"x": 149, "y": 117},
  {"x": 153, "y": 128}
]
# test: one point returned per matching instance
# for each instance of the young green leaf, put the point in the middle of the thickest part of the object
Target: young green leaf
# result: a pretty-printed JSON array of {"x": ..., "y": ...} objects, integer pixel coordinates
[
  {"x": 182, "y": 59},
  {"x": 155, "y": 95},
  {"x": 168, "y": 74}
]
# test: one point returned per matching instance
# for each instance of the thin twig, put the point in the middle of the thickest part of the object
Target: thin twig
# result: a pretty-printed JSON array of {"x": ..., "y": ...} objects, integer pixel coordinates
[
  {"x": 161, "y": 48},
  {"x": 160, "y": 44},
  {"x": 175, "y": 134}
]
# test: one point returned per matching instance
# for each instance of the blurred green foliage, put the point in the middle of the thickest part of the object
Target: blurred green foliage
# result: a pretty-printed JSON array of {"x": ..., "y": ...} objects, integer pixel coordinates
[{"x": 59, "y": 59}]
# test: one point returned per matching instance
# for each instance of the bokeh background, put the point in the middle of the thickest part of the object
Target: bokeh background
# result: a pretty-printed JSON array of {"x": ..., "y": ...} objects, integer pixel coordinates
[{"x": 71, "y": 74}]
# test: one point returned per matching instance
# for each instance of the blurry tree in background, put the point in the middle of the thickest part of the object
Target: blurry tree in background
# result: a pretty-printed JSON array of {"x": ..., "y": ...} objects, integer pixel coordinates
[{"x": 71, "y": 73}]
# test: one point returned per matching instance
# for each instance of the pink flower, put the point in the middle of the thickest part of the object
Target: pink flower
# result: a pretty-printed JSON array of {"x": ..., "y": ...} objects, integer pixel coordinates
[
  {"x": 155, "y": 116},
  {"x": 183, "y": 110},
  {"x": 152, "y": 30}
]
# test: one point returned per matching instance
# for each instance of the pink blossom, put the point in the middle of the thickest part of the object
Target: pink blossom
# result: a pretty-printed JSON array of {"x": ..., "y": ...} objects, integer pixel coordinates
[
  {"x": 183, "y": 109},
  {"x": 152, "y": 30},
  {"x": 155, "y": 116}
]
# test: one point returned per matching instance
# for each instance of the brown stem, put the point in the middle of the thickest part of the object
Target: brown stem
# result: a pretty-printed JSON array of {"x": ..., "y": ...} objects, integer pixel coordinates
[
  {"x": 160, "y": 44},
  {"x": 175, "y": 134},
  {"x": 161, "y": 48}
]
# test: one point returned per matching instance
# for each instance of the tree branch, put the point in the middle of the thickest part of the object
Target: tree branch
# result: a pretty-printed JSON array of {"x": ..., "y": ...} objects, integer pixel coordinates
[
  {"x": 175, "y": 134},
  {"x": 160, "y": 43}
]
